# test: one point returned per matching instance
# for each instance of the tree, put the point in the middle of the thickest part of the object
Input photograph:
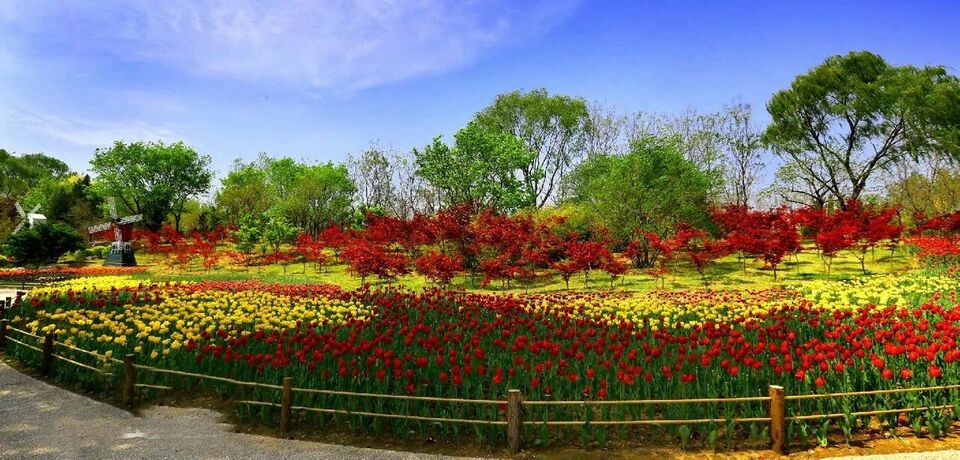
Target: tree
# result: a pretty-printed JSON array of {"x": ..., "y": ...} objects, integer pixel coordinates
[
  {"x": 372, "y": 172},
  {"x": 793, "y": 186},
  {"x": 482, "y": 167},
  {"x": 553, "y": 128},
  {"x": 69, "y": 200},
  {"x": 366, "y": 258},
  {"x": 152, "y": 178},
  {"x": 322, "y": 194},
  {"x": 744, "y": 153},
  {"x": 310, "y": 250},
  {"x": 931, "y": 187},
  {"x": 588, "y": 256},
  {"x": 18, "y": 174},
  {"x": 249, "y": 234},
  {"x": 701, "y": 249},
  {"x": 277, "y": 232},
  {"x": 244, "y": 191},
  {"x": 856, "y": 114},
  {"x": 650, "y": 189},
  {"x": 439, "y": 267},
  {"x": 42, "y": 243}
]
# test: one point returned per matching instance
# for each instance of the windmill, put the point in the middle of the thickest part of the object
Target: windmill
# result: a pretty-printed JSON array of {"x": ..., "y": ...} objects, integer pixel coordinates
[
  {"x": 121, "y": 252},
  {"x": 32, "y": 217}
]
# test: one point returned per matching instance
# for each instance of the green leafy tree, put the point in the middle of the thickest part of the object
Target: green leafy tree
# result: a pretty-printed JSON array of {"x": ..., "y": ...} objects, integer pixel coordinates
[
  {"x": 249, "y": 234},
  {"x": 855, "y": 115},
  {"x": 69, "y": 200},
  {"x": 481, "y": 167},
  {"x": 42, "y": 243},
  {"x": 553, "y": 128},
  {"x": 152, "y": 178},
  {"x": 321, "y": 194},
  {"x": 651, "y": 188},
  {"x": 20, "y": 173},
  {"x": 277, "y": 232},
  {"x": 244, "y": 191}
]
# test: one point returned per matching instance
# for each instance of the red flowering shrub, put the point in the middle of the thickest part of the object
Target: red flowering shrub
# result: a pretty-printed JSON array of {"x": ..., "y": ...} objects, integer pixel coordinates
[
  {"x": 439, "y": 267},
  {"x": 366, "y": 259}
]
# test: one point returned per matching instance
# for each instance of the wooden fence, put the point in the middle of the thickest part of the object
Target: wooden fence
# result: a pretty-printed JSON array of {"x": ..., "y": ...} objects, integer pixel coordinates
[{"x": 776, "y": 399}]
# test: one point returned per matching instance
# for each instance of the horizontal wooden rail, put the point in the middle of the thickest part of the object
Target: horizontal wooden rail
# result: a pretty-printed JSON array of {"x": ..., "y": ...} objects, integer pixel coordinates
[
  {"x": 377, "y": 414},
  {"x": 868, "y": 413},
  {"x": 207, "y": 377},
  {"x": 389, "y": 396},
  {"x": 22, "y": 344},
  {"x": 695, "y": 421},
  {"x": 81, "y": 350},
  {"x": 870, "y": 392},
  {"x": 79, "y": 364},
  {"x": 602, "y": 402},
  {"x": 21, "y": 331},
  {"x": 152, "y": 387}
]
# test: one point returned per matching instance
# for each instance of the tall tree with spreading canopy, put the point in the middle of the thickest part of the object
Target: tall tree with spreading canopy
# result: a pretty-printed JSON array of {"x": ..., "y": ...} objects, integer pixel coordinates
[
  {"x": 152, "y": 178},
  {"x": 855, "y": 115},
  {"x": 323, "y": 193},
  {"x": 244, "y": 191},
  {"x": 482, "y": 167},
  {"x": 372, "y": 172},
  {"x": 650, "y": 189},
  {"x": 554, "y": 128}
]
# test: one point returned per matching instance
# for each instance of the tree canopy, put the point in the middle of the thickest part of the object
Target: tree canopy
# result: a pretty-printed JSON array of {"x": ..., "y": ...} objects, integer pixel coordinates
[
  {"x": 651, "y": 188},
  {"x": 553, "y": 128},
  {"x": 855, "y": 115},
  {"x": 481, "y": 167},
  {"x": 152, "y": 178}
]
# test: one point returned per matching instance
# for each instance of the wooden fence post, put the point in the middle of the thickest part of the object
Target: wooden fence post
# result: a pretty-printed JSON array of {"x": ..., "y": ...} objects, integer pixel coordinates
[
  {"x": 3, "y": 334},
  {"x": 47, "y": 353},
  {"x": 286, "y": 400},
  {"x": 129, "y": 380},
  {"x": 778, "y": 422},
  {"x": 514, "y": 420}
]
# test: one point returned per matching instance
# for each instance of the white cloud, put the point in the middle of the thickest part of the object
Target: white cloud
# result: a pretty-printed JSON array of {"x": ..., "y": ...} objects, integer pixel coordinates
[
  {"x": 337, "y": 45},
  {"x": 85, "y": 133}
]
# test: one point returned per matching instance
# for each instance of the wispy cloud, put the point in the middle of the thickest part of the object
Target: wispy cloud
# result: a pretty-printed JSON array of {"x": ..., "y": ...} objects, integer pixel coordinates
[
  {"x": 85, "y": 133},
  {"x": 337, "y": 45}
]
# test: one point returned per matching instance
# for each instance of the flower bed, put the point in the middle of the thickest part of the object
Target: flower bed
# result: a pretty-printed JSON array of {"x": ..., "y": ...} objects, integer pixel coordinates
[{"x": 697, "y": 344}]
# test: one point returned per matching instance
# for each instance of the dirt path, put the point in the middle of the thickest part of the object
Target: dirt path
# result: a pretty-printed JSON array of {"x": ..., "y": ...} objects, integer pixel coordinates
[{"x": 40, "y": 420}]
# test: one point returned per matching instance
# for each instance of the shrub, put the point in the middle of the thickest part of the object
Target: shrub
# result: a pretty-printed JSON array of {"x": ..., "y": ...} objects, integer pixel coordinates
[{"x": 43, "y": 243}]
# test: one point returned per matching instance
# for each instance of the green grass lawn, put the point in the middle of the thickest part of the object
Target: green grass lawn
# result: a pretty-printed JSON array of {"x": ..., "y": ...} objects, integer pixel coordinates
[{"x": 727, "y": 273}]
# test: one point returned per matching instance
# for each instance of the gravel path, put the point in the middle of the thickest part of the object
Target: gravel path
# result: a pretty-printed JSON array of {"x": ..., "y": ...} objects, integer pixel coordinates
[{"x": 38, "y": 420}]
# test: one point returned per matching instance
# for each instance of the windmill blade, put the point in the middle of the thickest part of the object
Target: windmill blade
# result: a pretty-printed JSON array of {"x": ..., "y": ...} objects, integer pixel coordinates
[
  {"x": 131, "y": 219},
  {"x": 35, "y": 209},
  {"x": 117, "y": 234},
  {"x": 112, "y": 206},
  {"x": 99, "y": 227},
  {"x": 19, "y": 226},
  {"x": 19, "y": 209}
]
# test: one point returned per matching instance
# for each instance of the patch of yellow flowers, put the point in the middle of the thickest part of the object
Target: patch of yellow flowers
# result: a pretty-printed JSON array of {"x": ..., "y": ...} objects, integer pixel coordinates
[
  {"x": 97, "y": 283},
  {"x": 182, "y": 315},
  {"x": 689, "y": 308},
  {"x": 885, "y": 290}
]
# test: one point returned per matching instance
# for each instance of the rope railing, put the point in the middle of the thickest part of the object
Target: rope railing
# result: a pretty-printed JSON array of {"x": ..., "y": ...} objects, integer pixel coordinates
[
  {"x": 602, "y": 402},
  {"x": 160, "y": 370},
  {"x": 388, "y": 396},
  {"x": 514, "y": 403},
  {"x": 869, "y": 392}
]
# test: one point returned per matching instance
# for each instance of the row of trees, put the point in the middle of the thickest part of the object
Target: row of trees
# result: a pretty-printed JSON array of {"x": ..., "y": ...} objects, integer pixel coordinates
[
  {"x": 837, "y": 129},
  {"x": 490, "y": 247}
]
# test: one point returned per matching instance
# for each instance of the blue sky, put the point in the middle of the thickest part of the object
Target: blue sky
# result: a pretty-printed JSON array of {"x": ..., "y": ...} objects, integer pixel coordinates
[{"x": 319, "y": 80}]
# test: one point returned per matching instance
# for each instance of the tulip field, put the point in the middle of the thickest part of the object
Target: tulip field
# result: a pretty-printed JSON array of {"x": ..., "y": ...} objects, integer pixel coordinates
[{"x": 883, "y": 332}]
